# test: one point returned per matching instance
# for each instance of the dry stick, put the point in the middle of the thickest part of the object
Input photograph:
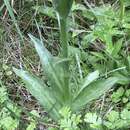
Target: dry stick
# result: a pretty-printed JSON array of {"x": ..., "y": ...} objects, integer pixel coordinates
[{"x": 5, "y": 13}]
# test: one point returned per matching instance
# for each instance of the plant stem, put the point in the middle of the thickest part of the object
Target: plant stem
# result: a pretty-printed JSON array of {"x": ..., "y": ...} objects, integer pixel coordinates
[
  {"x": 64, "y": 53},
  {"x": 64, "y": 40},
  {"x": 122, "y": 10}
]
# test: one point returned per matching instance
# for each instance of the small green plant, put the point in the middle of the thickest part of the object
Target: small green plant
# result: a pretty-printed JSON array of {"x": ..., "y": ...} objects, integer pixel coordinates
[
  {"x": 117, "y": 96},
  {"x": 60, "y": 93},
  {"x": 68, "y": 120},
  {"x": 33, "y": 120},
  {"x": 118, "y": 120},
  {"x": 113, "y": 120},
  {"x": 94, "y": 120},
  {"x": 9, "y": 113},
  {"x": 121, "y": 96},
  {"x": 105, "y": 28}
]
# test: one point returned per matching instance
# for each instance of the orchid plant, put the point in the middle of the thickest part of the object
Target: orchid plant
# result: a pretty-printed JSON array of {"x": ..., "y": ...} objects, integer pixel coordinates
[{"x": 57, "y": 70}]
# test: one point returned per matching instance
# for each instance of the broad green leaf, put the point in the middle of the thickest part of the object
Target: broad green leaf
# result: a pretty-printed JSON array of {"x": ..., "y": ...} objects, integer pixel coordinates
[
  {"x": 122, "y": 79},
  {"x": 41, "y": 92},
  {"x": 89, "y": 79},
  {"x": 47, "y": 61},
  {"x": 93, "y": 91},
  {"x": 44, "y": 54},
  {"x": 53, "y": 71}
]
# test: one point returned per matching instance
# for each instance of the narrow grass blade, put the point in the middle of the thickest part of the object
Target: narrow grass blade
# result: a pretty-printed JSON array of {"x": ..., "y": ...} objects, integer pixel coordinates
[
  {"x": 1, "y": 8},
  {"x": 10, "y": 10}
]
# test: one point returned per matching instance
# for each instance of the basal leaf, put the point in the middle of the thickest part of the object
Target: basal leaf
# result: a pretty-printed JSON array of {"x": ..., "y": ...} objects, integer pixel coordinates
[
  {"x": 89, "y": 79},
  {"x": 53, "y": 70},
  {"x": 41, "y": 92},
  {"x": 93, "y": 91}
]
